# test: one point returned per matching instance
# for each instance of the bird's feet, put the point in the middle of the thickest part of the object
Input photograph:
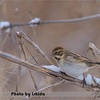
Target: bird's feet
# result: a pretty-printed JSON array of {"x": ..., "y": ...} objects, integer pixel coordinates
[
  {"x": 63, "y": 73},
  {"x": 83, "y": 82}
]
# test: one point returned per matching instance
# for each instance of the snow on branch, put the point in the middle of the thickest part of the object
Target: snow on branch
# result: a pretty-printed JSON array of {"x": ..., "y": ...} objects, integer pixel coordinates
[
  {"x": 34, "y": 67},
  {"x": 5, "y": 25},
  {"x": 38, "y": 21},
  {"x": 52, "y": 70},
  {"x": 33, "y": 21},
  {"x": 55, "y": 73},
  {"x": 34, "y": 45}
]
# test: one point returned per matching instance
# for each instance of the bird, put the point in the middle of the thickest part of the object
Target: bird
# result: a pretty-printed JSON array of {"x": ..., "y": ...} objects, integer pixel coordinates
[{"x": 71, "y": 63}]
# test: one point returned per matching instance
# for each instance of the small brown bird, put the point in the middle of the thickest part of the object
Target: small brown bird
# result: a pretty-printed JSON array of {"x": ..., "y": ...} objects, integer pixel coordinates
[{"x": 71, "y": 63}]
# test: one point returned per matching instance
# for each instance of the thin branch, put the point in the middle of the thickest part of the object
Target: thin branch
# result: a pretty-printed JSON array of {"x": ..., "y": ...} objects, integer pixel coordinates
[
  {"x": 30, "y": 53},
  {"x": 24, "y": 53},
  {"x": 36, "y": 47},
  {"x": 47, "y": 87},
  {"x": 54, "y": 21},
  {"x": 35, "y": 67},
  {"x": 70, "y": 20},
  {"x": 40, "y": 68}
]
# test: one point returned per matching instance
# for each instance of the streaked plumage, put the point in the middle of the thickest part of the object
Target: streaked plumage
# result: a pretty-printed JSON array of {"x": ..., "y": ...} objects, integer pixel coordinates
[{"x": 71, "y": 63}]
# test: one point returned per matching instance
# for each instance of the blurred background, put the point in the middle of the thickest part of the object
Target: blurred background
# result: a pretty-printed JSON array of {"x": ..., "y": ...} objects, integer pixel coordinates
[{"x": 73, "y": 36}]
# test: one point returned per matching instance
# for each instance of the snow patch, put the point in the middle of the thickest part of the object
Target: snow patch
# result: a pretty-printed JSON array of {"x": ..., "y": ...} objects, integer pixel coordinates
[{"x": 52, "y": 67}]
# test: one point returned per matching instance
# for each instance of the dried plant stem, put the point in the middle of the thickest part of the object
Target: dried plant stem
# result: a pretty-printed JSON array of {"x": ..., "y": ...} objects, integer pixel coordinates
[
  {"x": 24, "y": 53},
  {"x": 18, "y": 78},
  {"x": 30, "y": 53},
  {"x": 55, "y": 21},
  {"x": 71, "y": 20},
  {"x": 52, "y": 85},
  {"x": 34, "y": 67},
  {"x": 36, "y": 47},
  {"x": 40, "y": 68}
]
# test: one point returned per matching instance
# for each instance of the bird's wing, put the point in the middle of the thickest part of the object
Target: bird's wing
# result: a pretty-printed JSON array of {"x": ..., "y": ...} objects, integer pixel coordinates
[{"x": 78, "y": 58}]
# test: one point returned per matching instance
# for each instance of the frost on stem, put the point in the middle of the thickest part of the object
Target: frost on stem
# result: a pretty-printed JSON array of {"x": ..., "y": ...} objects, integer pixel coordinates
[
  {"x": 5, "y": 24},
  {"x": 52, "y": 67},
  {"x": 34, "y": 22}
]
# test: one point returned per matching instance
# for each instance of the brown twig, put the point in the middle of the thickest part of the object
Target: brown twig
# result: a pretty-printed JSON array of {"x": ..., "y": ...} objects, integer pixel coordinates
[
  {"x": 49, "y": 86},
  {"x": 40, "y": 69},
  {"x": 34, "y": 67},
  {"x": 24, "y": 53},
  {"x": 36, "y": 47}
]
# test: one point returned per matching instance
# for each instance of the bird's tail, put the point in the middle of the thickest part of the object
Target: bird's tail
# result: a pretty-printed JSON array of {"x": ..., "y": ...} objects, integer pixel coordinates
[{"x": 98, "y": 63}]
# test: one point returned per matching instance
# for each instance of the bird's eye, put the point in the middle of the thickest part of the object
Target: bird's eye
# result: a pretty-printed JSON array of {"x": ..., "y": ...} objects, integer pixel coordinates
[{"x": 56, "y": 53}]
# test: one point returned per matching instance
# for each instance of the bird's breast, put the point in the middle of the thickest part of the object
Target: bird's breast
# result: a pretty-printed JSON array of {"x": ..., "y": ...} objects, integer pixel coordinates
[{"x": 73, "y": 69}]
